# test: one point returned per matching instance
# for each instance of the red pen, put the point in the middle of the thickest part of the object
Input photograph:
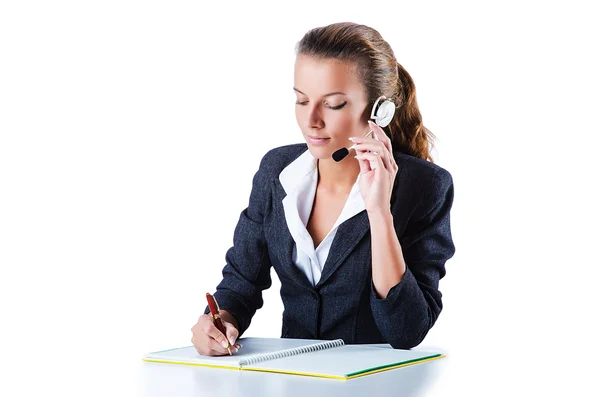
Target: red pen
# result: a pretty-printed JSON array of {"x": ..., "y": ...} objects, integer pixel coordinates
[{"x": 214, "y": 312}]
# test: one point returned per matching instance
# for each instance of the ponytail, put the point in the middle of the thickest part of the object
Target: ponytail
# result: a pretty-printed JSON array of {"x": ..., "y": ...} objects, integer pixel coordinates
[{"x": 407, "y": 133}]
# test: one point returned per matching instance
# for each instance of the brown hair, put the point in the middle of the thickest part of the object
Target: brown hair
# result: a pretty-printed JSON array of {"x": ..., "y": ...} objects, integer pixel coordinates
[{"x": 377, "y": 68}]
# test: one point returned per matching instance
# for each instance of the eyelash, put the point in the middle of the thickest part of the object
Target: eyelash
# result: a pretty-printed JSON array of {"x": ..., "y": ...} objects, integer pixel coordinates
[{"x": 330, "y": 107}]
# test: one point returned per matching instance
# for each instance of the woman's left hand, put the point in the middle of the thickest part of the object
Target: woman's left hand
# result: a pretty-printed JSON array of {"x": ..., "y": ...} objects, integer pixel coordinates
[{"x": 376, "y": 184}]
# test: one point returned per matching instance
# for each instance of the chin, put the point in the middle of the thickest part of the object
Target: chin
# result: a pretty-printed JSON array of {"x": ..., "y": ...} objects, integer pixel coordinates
[{"x": 320, "y": 152}]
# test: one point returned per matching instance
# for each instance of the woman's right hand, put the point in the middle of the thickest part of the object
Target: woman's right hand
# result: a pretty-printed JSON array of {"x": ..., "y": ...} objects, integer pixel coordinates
[{"x": 209, "y": 341}]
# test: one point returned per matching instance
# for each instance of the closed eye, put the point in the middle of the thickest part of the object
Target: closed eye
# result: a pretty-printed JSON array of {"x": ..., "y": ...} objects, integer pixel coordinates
[{"x": 330, "y": 107}]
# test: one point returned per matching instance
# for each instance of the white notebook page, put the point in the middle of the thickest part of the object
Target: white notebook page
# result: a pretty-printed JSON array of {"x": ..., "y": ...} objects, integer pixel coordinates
[
  {"x": 342, "y": 361},
  {"x": 250, "y": 347}
]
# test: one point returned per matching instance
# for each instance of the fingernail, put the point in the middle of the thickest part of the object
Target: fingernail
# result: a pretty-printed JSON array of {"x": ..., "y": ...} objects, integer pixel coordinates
[
  {"x": 224, "y": 343},
  {"x": 232, "y": 340}
]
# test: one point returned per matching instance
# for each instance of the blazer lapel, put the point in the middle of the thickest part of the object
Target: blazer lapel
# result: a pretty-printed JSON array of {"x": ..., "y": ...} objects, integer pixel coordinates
[
  {"x": 284, "y": 240},
  {"x": 350, "y": 232},
  {"x": 348, "y": 235}
]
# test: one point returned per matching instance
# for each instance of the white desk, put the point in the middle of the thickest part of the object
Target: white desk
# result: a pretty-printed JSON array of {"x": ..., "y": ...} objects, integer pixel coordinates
[{"x": 181, "y": 380}]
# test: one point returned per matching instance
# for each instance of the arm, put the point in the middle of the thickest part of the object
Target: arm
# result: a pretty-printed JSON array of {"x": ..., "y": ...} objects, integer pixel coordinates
[
  {"x": 247, "y": 270},
  {"x": 405, "y": 299}
]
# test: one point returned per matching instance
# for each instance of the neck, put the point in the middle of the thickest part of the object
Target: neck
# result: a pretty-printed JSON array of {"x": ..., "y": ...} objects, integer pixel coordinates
[{"x": 338, "y": 178}]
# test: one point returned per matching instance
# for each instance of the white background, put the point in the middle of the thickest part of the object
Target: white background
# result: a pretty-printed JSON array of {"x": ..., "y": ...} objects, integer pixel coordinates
[{"x": 130, "y": 132}]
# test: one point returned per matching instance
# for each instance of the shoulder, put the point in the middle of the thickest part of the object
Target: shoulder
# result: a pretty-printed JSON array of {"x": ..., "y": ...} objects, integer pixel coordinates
[
  {"x": 422, "y": 176},
  {"x": 276, "y": 159},
  {"x": 421, "y": 169}
]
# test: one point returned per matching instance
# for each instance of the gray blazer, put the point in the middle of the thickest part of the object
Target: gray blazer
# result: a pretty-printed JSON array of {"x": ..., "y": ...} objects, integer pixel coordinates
[{"x": 343, "y": 304}]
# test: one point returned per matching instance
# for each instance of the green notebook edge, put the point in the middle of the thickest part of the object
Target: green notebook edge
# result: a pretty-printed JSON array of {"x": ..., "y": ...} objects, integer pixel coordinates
[{"x": 389, "y": 366}]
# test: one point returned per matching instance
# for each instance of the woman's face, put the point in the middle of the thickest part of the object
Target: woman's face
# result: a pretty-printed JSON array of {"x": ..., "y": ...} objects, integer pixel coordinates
[{"x": 331, "y": 104}]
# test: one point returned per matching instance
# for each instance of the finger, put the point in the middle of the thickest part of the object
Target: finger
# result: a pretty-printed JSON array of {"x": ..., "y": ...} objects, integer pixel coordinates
[
  {"x": 197, "y": 346},
  {"x": 376, "y": 148},
  {"x": 380, "y": 133},
  {"x": 373, "y": 157},
  {"x": 365, "y": 166},
  {"x": 216, "y": 348},
  {"x": 383, "y": 160},
  {"x": 204, "y": 345},
  {"x": 382, "y": 136},
  {"x": 212, "y": 331},
  {"x": 371, "y": 146},
  {"x": 232, "y": 332},
  {"x": 393, "y": 162},
  {"x": 362, "y": 139},
  {"x": 203, "y": 352}
]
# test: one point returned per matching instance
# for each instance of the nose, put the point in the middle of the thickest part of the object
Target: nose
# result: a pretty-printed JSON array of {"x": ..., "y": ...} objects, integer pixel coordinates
[{"x": 314, "y": 117}]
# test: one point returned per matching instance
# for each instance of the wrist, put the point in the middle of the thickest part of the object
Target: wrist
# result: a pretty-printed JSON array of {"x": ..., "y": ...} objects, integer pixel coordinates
[{"x": 381, "y": 216}]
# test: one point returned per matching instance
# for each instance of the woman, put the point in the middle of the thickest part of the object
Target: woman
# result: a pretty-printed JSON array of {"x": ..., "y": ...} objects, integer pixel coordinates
[{"x": 359, "y": 245}]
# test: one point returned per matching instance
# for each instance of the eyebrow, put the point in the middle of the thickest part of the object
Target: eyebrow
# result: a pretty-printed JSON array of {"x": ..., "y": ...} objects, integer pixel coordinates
[{"x": 330, "y": 94}]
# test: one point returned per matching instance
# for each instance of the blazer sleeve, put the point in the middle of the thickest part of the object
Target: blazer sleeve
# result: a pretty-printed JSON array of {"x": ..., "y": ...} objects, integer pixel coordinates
[
  {"x": 407, "y": 313},
  {"x": 247, "y": 270}
]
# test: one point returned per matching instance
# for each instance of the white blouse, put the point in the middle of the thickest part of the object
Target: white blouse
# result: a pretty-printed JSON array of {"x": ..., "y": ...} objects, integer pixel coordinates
[{"x": 299, "y": 179}]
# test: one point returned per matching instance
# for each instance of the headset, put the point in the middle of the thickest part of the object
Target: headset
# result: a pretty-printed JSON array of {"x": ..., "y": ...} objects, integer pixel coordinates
[{"x": 382, "y": 115}]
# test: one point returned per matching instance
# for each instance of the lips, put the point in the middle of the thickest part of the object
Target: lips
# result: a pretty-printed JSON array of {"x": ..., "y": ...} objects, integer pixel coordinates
[
  {"x": 317, "y": 140},
  {"x": 317, "y": 137}
]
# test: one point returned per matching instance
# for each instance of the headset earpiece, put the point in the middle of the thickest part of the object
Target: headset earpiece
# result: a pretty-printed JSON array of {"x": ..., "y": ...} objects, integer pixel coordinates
[{"x": 384, "y": 113}]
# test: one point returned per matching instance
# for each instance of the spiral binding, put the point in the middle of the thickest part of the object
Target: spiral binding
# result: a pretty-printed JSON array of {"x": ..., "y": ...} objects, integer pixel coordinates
[{"x": 291, "y": 352}]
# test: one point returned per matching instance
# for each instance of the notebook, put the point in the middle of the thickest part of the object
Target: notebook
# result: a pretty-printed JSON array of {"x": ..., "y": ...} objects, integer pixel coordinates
[{"x": 308, "y": 357}]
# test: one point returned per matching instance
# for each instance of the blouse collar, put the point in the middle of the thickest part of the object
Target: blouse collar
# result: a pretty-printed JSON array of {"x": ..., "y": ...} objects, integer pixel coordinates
[{"x": 299, "y": 180}]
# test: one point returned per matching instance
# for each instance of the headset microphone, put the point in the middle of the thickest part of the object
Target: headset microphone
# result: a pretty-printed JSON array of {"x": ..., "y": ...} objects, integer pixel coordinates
[{"x": 382, "y": 115}]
